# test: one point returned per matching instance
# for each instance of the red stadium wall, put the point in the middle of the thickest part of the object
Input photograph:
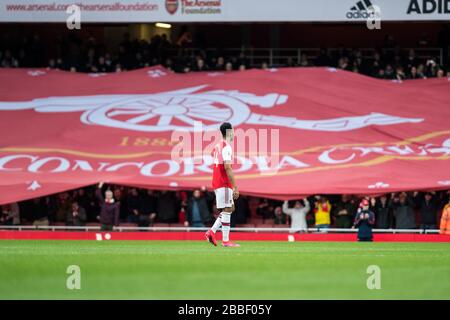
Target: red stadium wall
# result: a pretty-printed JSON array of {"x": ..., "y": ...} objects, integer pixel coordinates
[{"x": 199, "y": 236}]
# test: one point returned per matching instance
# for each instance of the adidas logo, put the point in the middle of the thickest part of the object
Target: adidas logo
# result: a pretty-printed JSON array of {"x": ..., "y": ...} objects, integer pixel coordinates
[{"x": 360, "y": 10}]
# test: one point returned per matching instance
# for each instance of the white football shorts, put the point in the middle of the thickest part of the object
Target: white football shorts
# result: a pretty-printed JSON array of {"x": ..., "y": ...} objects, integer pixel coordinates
[{"x": 224, "y": 198}]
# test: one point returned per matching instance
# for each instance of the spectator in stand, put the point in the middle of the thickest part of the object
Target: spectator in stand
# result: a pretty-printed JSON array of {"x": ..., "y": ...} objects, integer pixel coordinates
[
  {"x": 185, "y": 39},
  {"x": 364, "y": 221},
  {"x": 109, "y": 209},
  {"x": 374, "y": 65},
  {"x": 134, "y": 205},
  {"x": 39, "y": 211},
  {"x": 343, "y": 64},
  {"x": 63, "y": 205},
  {"x": 400, "y": 74},
  {"x": 411, "y": 60},
  {"x": 264, "y": 209},
  {"x": 220, "y": 65},
  {"x": 431, "y": 68},
  {"x": 85, "y": 55},
  {"x": 76, "y": 216},
  {"x": 389, "y": 72},
  {"x": 380, "y": 207},
  {"x": 121, "y": 196},
  {"x": 183, "y": 199},
  {"x": 10, "y": 214},
  {"x": 167, "y": 207},
  {"x": 345, "y": 211},
  {"x": 241, "y": 211},
  {"x": 8, "y": 60},
  {"x": 210, "y": 198},
  {"x": 280, "y": 218},
  {"x": 445, "y": 220},
  {"x": 200, "y": 65},
  {"x": 51, "y": 64},
  {"x": 139, "y": 62},
  {"x": 242, "y": 60},
  {"x": 303, "y": 60},
  {"x": 324, "y": 58},
  {"x": 428, "y": 206},
  {"x": 290, "y": 63},
  {"x": 90, "y": 60},
  {"x": 380, "y": 74},
  {"x": 101, "y": 65},
  {"x": 85, "y": 199},
  {"x": 322, "y": 212},
  {"x": 414, "y": 74},
  {"x": 197, "y": 213},
  {"x": 421, "y": 71},
  {"x": 297, "y": 214},
  {"x": 148, "y": 209},
  {"x": 228, "y": 66},
  {"x": 403, "y": 211}
]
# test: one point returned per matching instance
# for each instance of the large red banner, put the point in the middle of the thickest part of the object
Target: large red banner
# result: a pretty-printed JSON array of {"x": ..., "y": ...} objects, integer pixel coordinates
[{"x": 338, "y": 132}]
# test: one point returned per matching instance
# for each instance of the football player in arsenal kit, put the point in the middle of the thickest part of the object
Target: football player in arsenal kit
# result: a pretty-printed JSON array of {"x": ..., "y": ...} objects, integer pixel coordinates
[{"x": 224, "y": 187}]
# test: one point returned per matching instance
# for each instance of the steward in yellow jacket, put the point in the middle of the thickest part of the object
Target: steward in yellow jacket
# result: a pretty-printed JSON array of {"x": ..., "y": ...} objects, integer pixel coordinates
[{"x": 445, "y": 220}]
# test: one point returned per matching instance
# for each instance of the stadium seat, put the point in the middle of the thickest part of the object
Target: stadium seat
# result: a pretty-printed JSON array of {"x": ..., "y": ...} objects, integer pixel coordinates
[
  {"x": 245, "y": 225},
  {"x": 128, "y": 224},
  {"x": 177, "y": 225},
  {"x": 257, "y": 220},
  {"x": 264, "y": 225},
  {"x": 92, "y": 224},
  {"x": 161, "y": 225}
]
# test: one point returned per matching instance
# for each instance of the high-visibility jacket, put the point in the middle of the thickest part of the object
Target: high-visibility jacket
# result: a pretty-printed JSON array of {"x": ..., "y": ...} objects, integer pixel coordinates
[
  {"x": 445, "y": 220},
  {"x": 323, "y": 213}
]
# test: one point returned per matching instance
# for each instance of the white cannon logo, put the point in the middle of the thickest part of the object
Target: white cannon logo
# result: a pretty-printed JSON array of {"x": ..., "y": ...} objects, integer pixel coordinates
[{"x": 180, "y": 109}]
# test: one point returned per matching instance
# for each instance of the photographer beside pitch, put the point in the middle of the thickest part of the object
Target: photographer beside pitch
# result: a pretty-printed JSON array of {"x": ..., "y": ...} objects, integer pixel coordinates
[{"x": 224, "y": 187}]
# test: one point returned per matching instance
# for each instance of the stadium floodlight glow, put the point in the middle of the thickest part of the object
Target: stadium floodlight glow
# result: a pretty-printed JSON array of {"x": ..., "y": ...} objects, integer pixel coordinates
[{"x": 163, "y": 25}]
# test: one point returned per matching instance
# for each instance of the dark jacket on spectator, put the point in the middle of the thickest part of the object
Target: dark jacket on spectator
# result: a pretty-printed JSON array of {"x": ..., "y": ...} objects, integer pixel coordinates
[
  {"x": 79, "y": 220},
  {"x": 148, "y": 204},
  {"x": 109, "y": 212},
  {"x": 345, "y": 221},
  {"x": 38, "y": 209},
  {"x": 167, "y": 208},
  {"x": 241, "y": 212},
  {"x": 383, "y": 217},
  {"x": 88, "y": 204},
  {"x": 134, "y": 203},
  {"x": 428, "y": 210},
  {"x": 202, "y": 207},
  {"x": 404, "y": 215}
]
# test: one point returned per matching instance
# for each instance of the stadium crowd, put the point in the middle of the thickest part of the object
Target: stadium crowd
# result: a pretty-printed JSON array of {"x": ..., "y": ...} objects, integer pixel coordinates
[
  {"x": 142, "y": 207},
  {"x": 88, "y": 55}
]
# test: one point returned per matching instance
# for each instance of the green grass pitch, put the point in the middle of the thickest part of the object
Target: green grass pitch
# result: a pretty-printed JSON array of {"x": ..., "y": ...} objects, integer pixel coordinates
[{"x": 197, "y": 270}]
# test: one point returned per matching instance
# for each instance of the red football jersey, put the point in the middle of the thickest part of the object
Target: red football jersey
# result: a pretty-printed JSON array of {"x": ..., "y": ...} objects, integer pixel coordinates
[{"x": 222, "y": 152}]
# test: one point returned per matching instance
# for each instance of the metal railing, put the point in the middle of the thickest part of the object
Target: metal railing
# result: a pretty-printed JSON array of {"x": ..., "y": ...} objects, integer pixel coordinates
[
  {"x": 279, "y": 56},
  {"x": 190, "y": 229}
]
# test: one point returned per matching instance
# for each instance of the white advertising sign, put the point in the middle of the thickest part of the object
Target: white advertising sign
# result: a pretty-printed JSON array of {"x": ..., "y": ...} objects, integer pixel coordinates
[{"x": 224, "y": 10}]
